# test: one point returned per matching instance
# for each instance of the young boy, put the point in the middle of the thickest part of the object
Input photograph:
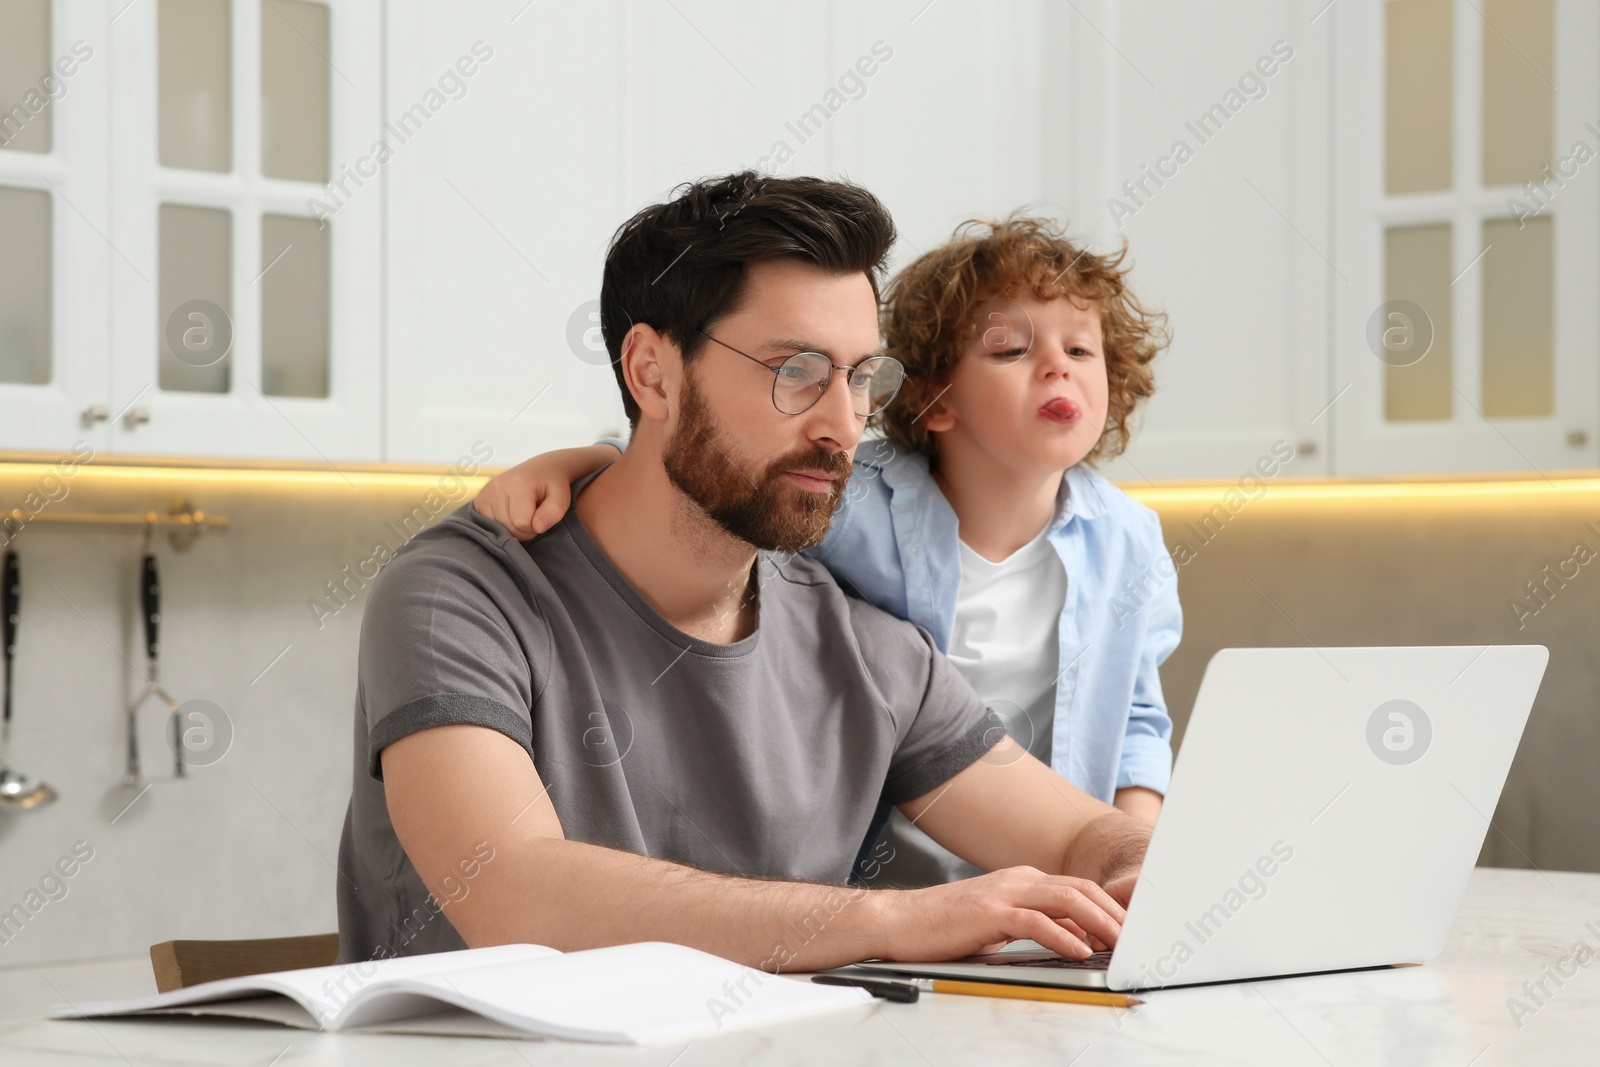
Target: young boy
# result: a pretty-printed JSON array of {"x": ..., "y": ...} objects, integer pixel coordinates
[{"x": 979, "y": 516}]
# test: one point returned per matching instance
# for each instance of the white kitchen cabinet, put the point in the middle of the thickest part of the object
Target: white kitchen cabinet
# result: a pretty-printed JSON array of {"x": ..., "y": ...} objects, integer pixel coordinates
[
  {"x": 715, "y": 86},
  {"x": 1199, "y": 134},
  {"x": 481, "y": 156},
  {"x": 1274, "y": 240},
  {"x": 1490, "y": 365},
  {"x": 499, "y": 210},
  {"x": 245, "y": 304},
  {"x": 946, "y": 111},
  {"x": 55, "y": 261},
  {"x": 947, "y": 126},
  {"x": 500, "y": 217},
  {"x": 165, "y": 188}
]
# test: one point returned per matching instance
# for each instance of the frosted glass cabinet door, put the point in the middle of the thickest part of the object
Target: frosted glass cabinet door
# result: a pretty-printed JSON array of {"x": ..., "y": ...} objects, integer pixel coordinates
[
  {"x": 294, "y": 307},
  {"x": 1467, "y": 316},
  {"x": 295, "y": 84},
  {"x": 24, "y": 62},
  {"x": 194, "y": 346},
  {"x": 252, "y": 328},
  {"x": 25, "y": 278},
  {"x": 1418, "y": 61},
  {"x": 194, "y": 61},
  {"x": 54, "y": 260}
]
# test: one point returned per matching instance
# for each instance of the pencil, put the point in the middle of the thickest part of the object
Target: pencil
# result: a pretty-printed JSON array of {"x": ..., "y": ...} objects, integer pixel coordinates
[{"x": 1030, "y": 992}]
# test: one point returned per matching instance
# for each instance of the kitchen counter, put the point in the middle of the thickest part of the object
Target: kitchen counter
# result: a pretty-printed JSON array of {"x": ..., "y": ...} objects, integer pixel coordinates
[{"x": 1469, "y": 1007}]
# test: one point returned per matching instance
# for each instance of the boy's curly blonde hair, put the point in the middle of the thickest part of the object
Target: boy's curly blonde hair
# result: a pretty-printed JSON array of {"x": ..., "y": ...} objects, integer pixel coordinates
[{"x": 929, "y": 307}]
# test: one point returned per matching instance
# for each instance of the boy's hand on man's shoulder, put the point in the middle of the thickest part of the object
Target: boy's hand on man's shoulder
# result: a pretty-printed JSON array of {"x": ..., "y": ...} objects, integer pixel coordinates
[
  {"x": 524, "y": 504},
  {"x": 536, "y": 494}
]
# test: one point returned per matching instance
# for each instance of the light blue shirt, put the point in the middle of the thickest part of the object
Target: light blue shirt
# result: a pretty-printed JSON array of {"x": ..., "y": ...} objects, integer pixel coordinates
[{"x": 894, "y": 542}]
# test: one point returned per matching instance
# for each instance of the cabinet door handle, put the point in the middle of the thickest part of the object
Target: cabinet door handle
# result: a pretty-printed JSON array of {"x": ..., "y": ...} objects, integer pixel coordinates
[
  {"x": 137, "y": 417},
  {"x": 95, "y": 413}
]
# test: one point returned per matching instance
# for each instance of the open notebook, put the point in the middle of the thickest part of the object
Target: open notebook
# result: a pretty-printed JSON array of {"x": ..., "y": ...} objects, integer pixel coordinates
[{"x": 646, "y": 993}]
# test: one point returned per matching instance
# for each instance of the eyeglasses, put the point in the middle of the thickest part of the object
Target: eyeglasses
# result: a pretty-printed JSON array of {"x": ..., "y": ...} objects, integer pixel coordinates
[{"x": 799, "y": 381}]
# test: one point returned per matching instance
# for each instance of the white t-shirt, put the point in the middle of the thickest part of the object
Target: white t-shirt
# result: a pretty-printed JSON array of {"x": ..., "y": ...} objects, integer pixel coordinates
[{"x": 1005, "y": 642}]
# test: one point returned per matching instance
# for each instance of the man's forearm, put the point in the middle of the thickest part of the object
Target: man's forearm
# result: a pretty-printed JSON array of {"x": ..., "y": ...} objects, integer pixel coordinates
[
  {"x": 570, "y": 895},
  {"x": 470, "y": 783}
]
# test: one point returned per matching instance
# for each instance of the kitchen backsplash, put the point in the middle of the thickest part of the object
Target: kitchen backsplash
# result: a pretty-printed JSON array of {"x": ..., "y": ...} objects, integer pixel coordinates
[{"x": 261, "y": 622}]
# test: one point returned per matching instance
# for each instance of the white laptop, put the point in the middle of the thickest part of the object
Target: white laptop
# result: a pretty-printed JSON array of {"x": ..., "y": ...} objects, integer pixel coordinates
[{"x": 1324, "y": 814}]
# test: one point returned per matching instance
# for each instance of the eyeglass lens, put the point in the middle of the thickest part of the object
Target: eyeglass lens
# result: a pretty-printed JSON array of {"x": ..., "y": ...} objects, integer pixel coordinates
[{"x": 803, "y": 377}]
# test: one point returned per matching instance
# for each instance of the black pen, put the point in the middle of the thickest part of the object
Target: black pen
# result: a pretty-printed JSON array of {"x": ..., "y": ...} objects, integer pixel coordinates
[{"x": 887, "y": 989}]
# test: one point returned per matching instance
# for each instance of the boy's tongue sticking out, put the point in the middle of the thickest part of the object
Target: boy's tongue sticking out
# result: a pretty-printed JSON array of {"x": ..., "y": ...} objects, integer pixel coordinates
[{"x": 1060, "y": 409}]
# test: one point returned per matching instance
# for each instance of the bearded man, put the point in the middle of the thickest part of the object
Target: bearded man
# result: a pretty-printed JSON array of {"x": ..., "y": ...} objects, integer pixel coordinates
[{"x": 656, "y": 723}]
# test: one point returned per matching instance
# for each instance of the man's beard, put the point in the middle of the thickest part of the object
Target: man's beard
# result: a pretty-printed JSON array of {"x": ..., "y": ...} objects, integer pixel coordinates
[{"x": 760, "y": 507}]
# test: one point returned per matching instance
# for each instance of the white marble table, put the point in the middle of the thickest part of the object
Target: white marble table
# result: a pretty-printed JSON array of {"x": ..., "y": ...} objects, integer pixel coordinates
[{"x": 1453, "y": 1012}]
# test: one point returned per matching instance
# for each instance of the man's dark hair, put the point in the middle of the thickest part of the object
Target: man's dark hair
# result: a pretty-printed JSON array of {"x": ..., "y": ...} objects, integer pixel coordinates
[{"x": 680, "y": 266}]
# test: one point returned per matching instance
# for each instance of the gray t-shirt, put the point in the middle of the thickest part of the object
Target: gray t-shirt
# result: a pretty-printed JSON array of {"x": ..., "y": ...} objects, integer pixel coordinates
[{"x": 764, "y": 758}]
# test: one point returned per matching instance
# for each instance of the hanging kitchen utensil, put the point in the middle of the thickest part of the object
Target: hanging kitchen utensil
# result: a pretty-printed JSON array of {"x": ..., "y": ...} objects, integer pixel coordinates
[
  {"x": 17, "y": 790},
  {"x": 150, "y": 610}
]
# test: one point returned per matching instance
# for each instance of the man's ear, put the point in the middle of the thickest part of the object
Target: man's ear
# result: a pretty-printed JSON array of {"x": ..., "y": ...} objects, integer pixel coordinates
[{"x": 650, "y": 366}]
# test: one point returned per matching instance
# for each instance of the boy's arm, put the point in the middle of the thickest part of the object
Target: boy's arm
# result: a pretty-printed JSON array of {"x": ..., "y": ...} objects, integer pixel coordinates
[
  {"x": 1146, "y": 763},
  {"x": 1139, "y": 802},
  {"x": 533, "y": 496},
  {"x": 453, "y": 784}
]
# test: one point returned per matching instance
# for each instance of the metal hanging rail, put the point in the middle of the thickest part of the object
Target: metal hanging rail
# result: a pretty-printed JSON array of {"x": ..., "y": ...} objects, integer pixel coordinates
[{"x": 183, "y": 523}]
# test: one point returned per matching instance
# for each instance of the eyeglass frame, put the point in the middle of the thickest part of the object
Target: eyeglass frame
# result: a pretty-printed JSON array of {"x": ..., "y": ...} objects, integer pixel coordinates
[{"x": 823, "y": 385}]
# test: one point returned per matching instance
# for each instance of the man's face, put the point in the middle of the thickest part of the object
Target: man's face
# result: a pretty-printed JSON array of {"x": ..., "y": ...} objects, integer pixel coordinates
[{"x": 770, "y": 479}]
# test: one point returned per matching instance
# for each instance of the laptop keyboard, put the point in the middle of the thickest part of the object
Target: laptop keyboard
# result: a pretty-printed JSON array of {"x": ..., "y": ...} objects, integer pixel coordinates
[{"x": 1097, "y": 962}]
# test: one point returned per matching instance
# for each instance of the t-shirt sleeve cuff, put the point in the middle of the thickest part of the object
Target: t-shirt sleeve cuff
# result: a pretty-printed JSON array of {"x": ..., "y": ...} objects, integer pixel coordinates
[
  {"x": 948, "y": 762},
  {"x": 445, "y": 710}
]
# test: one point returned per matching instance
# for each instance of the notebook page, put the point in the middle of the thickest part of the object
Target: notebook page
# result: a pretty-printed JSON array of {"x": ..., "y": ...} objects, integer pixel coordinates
[
  {"x": 329, "y": 992},
  {"x": 322, "y": 991},
  {"x": 648, "y": 993}
]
